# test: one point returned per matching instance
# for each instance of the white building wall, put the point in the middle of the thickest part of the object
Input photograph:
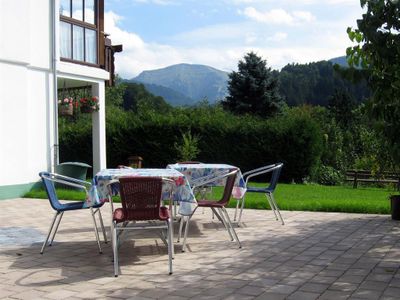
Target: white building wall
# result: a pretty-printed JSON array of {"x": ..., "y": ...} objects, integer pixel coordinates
[
  {"x": 25, "y": 89},
  {"x": 27, "y": 104}
]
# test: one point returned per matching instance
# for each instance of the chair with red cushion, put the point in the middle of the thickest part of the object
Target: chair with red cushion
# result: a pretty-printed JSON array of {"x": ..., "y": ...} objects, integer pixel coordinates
[
  {"x": 141, "y": 199},
  {"x": 217, "y": 206}
]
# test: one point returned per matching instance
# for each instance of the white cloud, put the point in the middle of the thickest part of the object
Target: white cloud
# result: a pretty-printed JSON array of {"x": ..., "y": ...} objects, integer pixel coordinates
[
  {"x": 305, "y": 16},
  {"x": 291, "y": 2},
  {"x": 278, "y": 16},
  {"x": 221, "y": 46},
  {"x": 277, "y": 37},
  {"x": 158, "y": 2},
  {"x": 137, "y": 55}
]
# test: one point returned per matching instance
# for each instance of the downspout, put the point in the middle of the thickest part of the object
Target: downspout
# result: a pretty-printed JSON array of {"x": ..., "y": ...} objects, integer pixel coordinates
[{"x": 54, "y": 73}]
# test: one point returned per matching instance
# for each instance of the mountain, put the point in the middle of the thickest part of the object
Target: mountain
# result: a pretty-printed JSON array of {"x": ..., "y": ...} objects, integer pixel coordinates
[
  {"x": 171, "y": 96},
  {"x": 196, "y": 82},
  {"x": 341, "y": 61}
]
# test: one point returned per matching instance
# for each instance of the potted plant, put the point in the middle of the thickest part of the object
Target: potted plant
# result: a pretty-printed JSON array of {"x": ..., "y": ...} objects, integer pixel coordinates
[
  {"x": 66, "y": 106},
  {"x": 89, "y": 104}
]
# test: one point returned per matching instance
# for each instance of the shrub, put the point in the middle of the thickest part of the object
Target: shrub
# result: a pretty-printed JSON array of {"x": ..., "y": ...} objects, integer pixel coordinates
[
  {"x": 327, "y": 175},
  {"x": 247, "y": 142}
]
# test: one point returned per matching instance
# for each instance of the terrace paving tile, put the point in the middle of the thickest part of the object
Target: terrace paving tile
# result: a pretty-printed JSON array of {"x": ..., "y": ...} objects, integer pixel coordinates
[{"x": 313, "y": 256}]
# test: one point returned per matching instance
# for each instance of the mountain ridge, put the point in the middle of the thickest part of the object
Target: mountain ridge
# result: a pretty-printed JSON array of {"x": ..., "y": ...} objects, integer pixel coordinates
[{"x": 196, "y": 82}]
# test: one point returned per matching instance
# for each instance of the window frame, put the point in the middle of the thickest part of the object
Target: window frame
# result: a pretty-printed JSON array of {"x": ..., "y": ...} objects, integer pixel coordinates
[{"x": 97, "y": 27}]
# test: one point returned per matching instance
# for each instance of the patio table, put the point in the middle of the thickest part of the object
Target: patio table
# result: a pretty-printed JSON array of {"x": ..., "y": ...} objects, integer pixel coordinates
[
  {"x": 194, "y": 172},
  {"x": 105, "y": 184}
]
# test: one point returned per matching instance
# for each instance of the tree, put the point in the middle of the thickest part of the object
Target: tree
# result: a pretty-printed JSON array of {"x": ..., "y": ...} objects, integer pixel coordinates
[
  {"x": 252, "y": 89},
  {"x": 341, "y": 105},
  {"x": 378, "y": 51}
]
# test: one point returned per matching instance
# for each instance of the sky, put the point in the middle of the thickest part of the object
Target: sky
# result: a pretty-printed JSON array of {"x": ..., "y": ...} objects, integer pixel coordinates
[{"x": 218, "y": 33}]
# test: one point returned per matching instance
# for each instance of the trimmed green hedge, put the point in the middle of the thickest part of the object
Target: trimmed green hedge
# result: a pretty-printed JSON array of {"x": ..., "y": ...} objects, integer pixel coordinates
[{"x": 248, "y": 142}]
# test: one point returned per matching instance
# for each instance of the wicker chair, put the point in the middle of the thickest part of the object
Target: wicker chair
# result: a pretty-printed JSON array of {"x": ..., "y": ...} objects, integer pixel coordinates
[
  {"x": 141, "y": 201},
  {"x": 217, "y": 206}
]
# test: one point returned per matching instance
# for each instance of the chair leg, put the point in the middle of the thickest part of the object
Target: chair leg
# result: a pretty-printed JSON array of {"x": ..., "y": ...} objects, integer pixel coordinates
[
  {"x": 180, "y": 228},
  {"x": 115, "y": 247},
  {"x": 170, "y": 244},
  {"x": 50, "y": 229},
  {"x": 241, "y": 209},
  {"x": 231, "y": 227},
  {"x": 236, "y": 209},
  {"x": 162, "y": 237},
  {"x": 272, "y": 206},
  {"x": 223, "y": 221},
  {"x": 175, "y": 205},
  {"x": 186, "y": 233},
  {"x": 171, "y": 232},
  {"x": 102, "y": 226},
  {"x": 277, "y": 208},
  {"x": 96, "y": 231},
  {"x": 56, "y": 228}
]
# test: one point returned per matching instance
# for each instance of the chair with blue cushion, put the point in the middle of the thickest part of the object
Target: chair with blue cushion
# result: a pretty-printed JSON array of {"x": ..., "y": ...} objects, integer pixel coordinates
[
  {"x": 48, "y": 180},
  {"x": 268, "y": 191}
]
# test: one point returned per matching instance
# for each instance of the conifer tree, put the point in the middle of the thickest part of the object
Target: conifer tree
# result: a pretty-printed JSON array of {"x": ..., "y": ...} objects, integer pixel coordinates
[{"x": 253, "y": 89}]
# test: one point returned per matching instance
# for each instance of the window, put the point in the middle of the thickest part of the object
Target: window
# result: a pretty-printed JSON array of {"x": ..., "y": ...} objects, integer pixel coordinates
[{"x": 79, "y": 31}]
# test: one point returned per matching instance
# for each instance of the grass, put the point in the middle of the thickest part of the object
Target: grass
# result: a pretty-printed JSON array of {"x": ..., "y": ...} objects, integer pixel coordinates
[
  {"x": 324, "y": 198},
  {"x": 300, "y": 197}
]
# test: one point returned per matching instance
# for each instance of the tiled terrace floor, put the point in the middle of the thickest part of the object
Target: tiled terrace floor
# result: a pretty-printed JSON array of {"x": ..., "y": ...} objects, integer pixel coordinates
[{"x": 313, "y": 256}]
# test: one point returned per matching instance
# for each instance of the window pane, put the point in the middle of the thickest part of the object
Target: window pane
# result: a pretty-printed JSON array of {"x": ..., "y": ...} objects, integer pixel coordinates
[
  {"x": 89, "y": 11},
  {"x": 65, "y": 8},
  {"x": 91, "y": 46},
  {"x": 77, "y": 9},
  {"x": 65, "y": 40},
  {"x": 78, "y": 43}
]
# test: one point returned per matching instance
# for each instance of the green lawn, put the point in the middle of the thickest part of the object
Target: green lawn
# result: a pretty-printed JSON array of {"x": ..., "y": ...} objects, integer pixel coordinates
[
  {"x": 324, "y": 198},
  {"x": 296, "y": 197}
]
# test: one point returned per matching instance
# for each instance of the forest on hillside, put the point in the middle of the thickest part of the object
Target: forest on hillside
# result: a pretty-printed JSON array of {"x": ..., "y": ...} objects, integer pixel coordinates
[{"x": 315, "y": 83}]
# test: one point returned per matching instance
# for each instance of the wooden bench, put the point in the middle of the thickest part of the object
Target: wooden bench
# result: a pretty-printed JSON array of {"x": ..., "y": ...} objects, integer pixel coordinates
[{"x": 357, "y": 176}]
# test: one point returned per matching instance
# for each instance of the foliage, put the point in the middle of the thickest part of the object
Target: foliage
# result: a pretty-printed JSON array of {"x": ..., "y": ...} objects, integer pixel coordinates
[
  {"x": 315, "y": 83},
  {"x": 327, "y": 175},
  {"x": 341, "y": 105},
  {"x": 137, "y": 98},
  {"x": 246, "y": 141},
  {"x": 377, "y": 50},
  {"x": 67, "y": 101},
  {"x": 252, "y": 89},
  {"x": 115, "y": 95},
  {"x": 90, "y": 102},
  {"x": 188, "y": 149}
]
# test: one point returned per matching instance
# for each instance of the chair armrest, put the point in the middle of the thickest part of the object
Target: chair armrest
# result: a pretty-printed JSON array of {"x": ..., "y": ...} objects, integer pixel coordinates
[
  {"x": 258, "y": 170},
  {"x": 211, "y": 178},
  {"x": 68, "y": 181}
]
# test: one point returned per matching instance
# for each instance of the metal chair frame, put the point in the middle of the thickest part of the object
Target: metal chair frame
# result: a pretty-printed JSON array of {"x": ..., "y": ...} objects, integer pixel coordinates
[
  {"x": 117, "y": 230},
  {"x": 221, "y": 213},
  {"x": 275, "y": 168},
  {"x": 73, "y": 182}
]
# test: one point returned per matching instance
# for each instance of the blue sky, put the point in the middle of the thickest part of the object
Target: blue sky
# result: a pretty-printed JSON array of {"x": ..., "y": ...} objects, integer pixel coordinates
[{"x": 159, "y": 33}]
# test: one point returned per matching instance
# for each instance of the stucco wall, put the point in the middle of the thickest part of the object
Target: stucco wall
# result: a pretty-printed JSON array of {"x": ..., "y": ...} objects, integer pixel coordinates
[
  {"x": 25, "y": 89},
  {"x": 26, "y": 95}
]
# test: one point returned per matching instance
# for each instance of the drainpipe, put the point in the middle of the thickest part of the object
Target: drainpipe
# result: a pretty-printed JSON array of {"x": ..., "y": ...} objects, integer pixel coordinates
[{"x": 54, "y": 5}]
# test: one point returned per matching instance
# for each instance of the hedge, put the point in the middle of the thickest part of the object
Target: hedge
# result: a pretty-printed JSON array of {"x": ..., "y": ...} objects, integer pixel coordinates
[{"x": 247, "y": 142}]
